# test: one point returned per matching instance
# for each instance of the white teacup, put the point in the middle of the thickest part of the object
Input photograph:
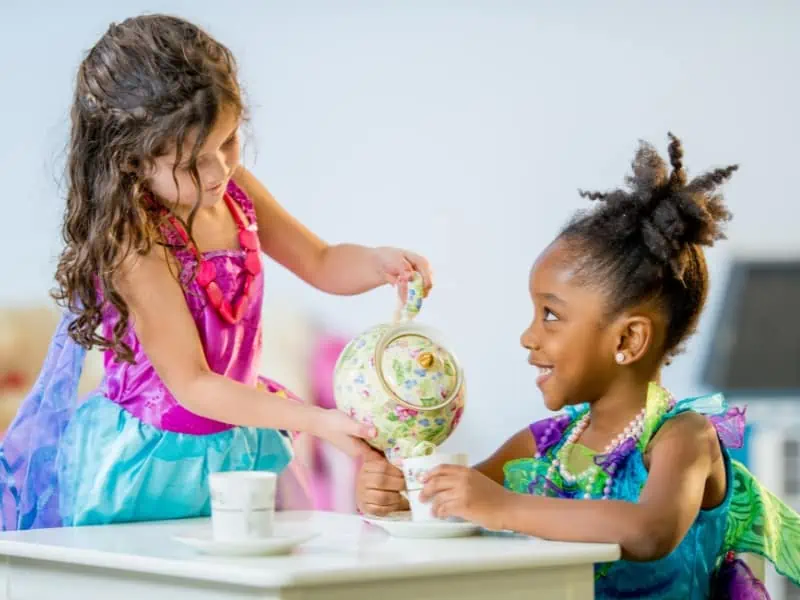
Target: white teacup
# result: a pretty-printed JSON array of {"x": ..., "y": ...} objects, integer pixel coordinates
[
  {"x": 420, "y": 511},
  {"x": 413, "y": 471},
  {"x": 242, "y": 504}
]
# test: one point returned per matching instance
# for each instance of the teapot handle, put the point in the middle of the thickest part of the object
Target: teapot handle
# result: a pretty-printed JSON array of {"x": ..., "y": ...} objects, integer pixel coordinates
[{"x": 410, "y": 308}]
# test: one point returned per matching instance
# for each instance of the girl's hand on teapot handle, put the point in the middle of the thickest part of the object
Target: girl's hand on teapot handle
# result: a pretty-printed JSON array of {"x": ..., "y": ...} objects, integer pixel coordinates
[
  {"x": 398, "y": 266},
  {"x": 345, "y": 433}
]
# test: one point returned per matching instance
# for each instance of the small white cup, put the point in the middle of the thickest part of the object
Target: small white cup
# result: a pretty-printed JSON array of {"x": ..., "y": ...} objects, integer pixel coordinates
[
  {"x": 242, "y": 504},
  {"x": 420, "y": 511},
  {"x": 413, "y": 471}
]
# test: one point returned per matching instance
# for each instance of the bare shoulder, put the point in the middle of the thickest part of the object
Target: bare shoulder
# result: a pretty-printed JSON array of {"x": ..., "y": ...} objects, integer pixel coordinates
[
  {"x": 688, "y": 427},
  {"x": 250, "y": 184},
  {"x": 149, "y": 284},
  {"x": 522, "y": 444},
  {"x": 519, "y": 445},
  {"x": 139, "y": 274},
  {"x": 690, "y": 441}
]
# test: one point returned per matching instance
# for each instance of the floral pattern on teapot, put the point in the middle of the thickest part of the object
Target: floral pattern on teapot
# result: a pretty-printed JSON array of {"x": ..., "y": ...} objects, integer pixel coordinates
[
  {"x": 414, "y": 395},
  {"x": 418, "y": 370}
]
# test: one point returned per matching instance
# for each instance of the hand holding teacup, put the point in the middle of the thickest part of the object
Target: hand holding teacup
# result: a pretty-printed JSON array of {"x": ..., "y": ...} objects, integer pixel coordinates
[{"x": 414, "y": 471}]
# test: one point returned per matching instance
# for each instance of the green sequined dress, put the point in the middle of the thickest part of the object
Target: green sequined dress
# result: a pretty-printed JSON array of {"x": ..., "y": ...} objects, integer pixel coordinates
[{"x": 749, "y": 520}]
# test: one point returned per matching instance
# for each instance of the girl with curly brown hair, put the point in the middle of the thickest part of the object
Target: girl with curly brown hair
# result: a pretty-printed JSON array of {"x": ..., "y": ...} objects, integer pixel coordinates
[{"x": 162, "y": 270}]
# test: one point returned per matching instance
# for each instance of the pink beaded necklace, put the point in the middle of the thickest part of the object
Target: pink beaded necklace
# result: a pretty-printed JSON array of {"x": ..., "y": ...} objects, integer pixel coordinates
[{"x": 206, "y": 276}]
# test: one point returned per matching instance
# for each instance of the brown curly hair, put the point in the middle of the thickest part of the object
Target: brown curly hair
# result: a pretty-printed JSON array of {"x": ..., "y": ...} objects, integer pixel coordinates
[
  {"x": 145, "y": 86},
  {"x": 646, "y": 242}
]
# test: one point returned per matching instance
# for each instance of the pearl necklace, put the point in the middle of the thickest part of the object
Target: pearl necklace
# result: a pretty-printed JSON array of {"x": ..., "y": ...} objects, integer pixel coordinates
[{"x": 589, "y": 475}]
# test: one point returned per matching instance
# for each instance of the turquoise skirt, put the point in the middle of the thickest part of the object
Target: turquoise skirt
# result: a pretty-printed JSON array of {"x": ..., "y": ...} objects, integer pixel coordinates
[{"x": 112, "y": 467}]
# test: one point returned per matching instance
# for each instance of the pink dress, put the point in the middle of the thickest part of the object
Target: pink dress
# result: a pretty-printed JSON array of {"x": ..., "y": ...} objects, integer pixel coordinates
[{"x": 130, "y": 451}]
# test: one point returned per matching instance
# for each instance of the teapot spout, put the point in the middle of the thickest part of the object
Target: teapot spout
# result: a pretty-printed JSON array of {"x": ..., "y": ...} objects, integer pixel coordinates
[{"x": 409, "y": 448}]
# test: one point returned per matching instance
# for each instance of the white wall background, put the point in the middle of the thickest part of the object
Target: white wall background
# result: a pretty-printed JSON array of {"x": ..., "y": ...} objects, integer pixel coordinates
[{"x": 459, "y": 129}]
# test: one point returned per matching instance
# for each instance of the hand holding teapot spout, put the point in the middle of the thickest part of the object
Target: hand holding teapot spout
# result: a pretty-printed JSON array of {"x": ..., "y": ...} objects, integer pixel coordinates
[{"x": 345, "y": 433}]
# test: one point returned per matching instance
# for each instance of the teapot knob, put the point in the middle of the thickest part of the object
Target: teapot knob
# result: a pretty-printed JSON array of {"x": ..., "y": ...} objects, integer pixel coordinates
[{"x": 425, "y": 360}]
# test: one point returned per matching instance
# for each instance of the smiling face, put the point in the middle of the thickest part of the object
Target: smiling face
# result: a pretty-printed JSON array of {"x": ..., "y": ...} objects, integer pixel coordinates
[{"x": 570, "y": 340}]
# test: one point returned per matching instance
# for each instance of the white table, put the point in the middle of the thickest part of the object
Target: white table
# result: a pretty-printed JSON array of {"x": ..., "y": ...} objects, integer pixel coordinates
[{"x": 349, "y": 560}]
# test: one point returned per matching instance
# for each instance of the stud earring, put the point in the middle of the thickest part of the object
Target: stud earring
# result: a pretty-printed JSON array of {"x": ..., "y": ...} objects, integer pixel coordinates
[{"x": 620, "y": 358}]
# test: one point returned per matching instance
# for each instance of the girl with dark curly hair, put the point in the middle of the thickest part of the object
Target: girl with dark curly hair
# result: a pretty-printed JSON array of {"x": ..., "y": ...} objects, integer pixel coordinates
[{"x": 162, "y": 270}]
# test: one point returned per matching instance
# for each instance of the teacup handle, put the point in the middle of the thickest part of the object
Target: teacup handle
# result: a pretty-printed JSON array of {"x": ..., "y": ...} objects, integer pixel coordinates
[{"x": 408, "y": 309}]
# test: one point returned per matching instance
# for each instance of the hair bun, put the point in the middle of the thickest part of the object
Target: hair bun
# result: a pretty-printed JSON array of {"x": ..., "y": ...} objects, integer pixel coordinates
[{"x": 668, "y": 213}]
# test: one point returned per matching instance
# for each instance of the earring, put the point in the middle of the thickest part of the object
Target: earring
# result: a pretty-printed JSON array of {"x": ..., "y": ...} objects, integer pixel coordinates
[{"x": 620, "y": 358}]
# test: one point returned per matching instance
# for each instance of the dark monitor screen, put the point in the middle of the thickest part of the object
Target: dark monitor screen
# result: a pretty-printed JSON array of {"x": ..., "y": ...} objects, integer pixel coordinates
[{"x": 755, "y": 346}]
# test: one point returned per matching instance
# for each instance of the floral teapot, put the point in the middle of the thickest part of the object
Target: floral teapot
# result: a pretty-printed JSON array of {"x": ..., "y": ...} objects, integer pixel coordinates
[{"x": 400, "y": 378}]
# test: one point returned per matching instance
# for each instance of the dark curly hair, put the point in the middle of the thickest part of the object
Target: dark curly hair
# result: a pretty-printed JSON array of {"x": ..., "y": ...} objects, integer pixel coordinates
[
  {"x": 146, "y": 85},
  {"x": 646, "y": 242}
]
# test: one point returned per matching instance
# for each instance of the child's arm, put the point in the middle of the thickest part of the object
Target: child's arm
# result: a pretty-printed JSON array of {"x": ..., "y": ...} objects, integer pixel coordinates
[
  {"x": 379, "y": 483},
  {"x": 521, "y": 445},
  {"x": 683, "y": 457},
  {"x": 343, "y": 269},
  {"x": 169, "y": 337}
]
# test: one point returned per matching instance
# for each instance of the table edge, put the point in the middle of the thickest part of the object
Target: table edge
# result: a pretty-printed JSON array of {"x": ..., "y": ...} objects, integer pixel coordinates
[{"x": 249, "y": 577}]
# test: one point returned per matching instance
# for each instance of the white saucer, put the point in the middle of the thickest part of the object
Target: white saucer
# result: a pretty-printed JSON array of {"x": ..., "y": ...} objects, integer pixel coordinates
[
  {"x": 280, "y": 543},
  {"x": 400, "y": 525}
]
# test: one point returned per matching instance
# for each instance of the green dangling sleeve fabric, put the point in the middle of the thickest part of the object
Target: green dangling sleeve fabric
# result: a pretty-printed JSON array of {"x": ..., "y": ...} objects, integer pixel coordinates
[{"x": 759, "y": 523}]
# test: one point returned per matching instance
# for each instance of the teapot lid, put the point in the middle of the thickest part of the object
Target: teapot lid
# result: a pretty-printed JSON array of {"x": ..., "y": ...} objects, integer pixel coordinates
[{"x": 417, "y": 371}]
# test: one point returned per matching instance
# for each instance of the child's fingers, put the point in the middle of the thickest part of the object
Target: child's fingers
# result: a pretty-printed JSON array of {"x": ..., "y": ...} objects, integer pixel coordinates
[
  {"x": 402, "y": 288},
  {"x": 374, "y": 459},
  {"x": 443, "y": 470},
  {"x": 391, "y": 500},
  {"x": 445, "y": 505},
  {"x": 363, "y": 431},
  {"x": 435, "y": 486},
  {"x": 382, "y": 510},
  {"x": 378, "y": 464},
  {"x": 383, "y": 481},
  {"x": 420, "y": 265},
  {"x": 355, "y": 448}
]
